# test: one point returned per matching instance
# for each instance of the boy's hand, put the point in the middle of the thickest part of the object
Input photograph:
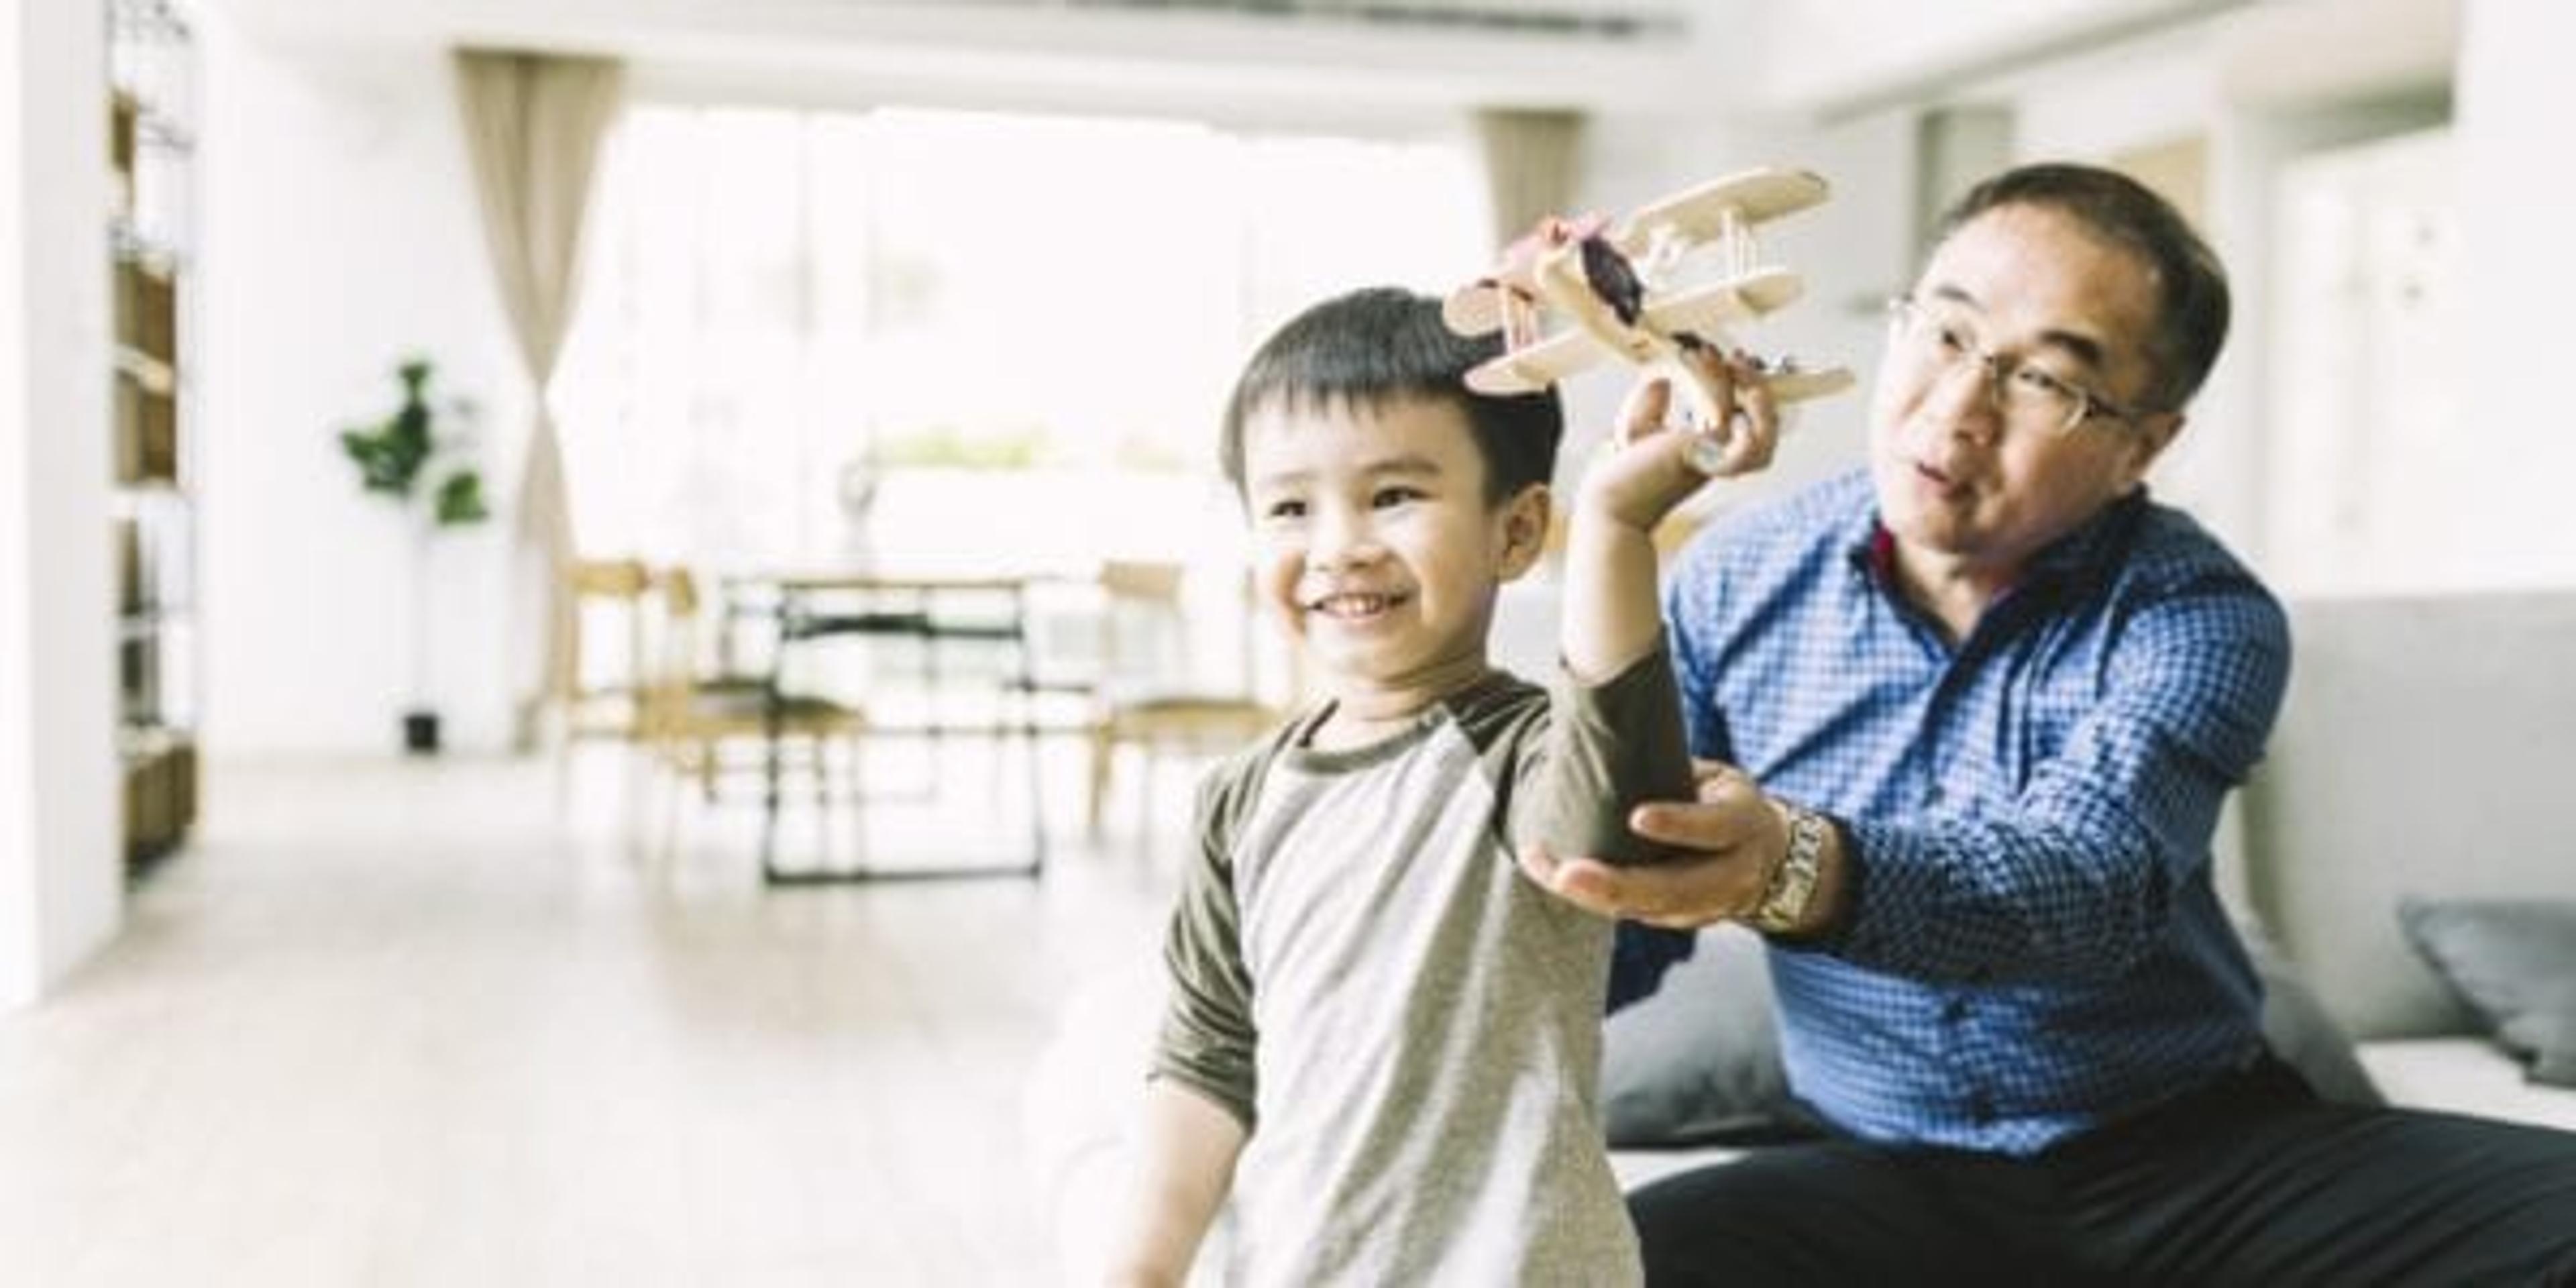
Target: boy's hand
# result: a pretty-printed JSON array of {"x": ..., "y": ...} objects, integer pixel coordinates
[{"x": 1652, "y": 464}]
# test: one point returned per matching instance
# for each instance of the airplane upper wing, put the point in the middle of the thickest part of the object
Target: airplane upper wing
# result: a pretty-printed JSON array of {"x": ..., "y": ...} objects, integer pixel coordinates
[{"x": 1700, "y": 213}]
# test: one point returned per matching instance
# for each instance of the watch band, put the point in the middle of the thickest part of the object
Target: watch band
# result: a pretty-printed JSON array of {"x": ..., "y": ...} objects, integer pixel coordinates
[{"x": 1793, "y": 883}]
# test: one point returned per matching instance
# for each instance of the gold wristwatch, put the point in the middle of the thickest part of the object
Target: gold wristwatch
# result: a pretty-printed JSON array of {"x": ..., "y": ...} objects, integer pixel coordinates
[{"x": 1793, "y": 883}]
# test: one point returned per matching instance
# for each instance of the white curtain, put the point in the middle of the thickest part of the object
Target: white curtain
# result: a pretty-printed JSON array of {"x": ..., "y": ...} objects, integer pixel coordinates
[
  {"x": 533, "y": 127},
  {"x": 1533, "y": 161}
]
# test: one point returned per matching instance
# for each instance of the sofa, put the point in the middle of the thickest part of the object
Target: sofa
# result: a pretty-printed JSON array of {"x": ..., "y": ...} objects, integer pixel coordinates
[
  {"x": 2401, "y": 864},
  {"x": 2407, "y": 842}
]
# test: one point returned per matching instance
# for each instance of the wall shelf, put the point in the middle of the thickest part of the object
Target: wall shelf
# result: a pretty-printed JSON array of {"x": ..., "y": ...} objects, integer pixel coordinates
[{"x": 152, "y": 147}]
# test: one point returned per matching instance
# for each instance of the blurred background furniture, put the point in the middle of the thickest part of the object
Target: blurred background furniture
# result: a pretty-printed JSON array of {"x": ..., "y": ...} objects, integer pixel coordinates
[
  {"x": 968, "y": 638},
  {"x": 155, "y": 350},
  {"x": 2425, "y": 751},
  {"x": 1148, "y": 695},
  {"x": 691, "y": 713},
  {"x": 611, "y": 655}
]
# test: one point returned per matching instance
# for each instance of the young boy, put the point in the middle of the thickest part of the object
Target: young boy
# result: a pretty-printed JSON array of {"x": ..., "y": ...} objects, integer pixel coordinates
[{"x": 1381, "y": 1037}]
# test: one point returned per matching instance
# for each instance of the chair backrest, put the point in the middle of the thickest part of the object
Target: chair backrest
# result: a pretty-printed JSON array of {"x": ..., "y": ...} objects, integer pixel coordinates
[
  {"x": 1141, "y": 581},
  {"x": 613, "y": 579}
]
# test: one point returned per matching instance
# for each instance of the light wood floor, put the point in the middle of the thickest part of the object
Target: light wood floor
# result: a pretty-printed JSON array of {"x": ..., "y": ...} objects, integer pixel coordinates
[{"x": 422, "y": 1024}]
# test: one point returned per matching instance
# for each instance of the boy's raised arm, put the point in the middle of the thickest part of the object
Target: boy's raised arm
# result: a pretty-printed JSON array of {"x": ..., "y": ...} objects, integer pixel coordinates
[
  {"x": 1615, "y": 737},
  {"x": 1612, "y": 614}
]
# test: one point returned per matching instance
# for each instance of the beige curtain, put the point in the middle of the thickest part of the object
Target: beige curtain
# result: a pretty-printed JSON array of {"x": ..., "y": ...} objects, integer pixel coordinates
[
  {"x": 1533, "y": 159},
  {"x": 533, "y": 127}
]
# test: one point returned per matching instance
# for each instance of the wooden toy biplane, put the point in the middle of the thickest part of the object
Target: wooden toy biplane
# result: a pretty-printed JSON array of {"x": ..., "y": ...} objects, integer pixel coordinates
[{"x": 1620, "y": 286}]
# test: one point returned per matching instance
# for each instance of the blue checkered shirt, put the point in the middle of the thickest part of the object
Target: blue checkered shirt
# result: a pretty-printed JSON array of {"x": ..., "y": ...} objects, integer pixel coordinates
[{"x": 2035, "y": 943}]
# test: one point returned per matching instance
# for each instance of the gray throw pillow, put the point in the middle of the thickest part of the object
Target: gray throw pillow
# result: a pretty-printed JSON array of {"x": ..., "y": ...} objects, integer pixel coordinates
[
  {"x": 2514, "y": 963},
  {"x": 1698, "y": 1062}
]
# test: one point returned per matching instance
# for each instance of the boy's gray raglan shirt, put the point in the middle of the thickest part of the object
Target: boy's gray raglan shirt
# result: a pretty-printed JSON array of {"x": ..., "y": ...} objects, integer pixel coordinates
[{"x": 1361, "y": 973}]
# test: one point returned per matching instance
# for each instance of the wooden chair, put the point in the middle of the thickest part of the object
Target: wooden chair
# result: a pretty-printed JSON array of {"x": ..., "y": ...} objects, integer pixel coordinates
[
  {"x": 692, "y": 716},
  {"x": 608, "y": 705},
  {"x": 1139, "y": 702}
]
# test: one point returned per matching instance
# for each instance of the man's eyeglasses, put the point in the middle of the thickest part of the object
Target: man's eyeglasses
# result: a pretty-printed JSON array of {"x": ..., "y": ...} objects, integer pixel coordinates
[{"x": 2023, "y": 394}]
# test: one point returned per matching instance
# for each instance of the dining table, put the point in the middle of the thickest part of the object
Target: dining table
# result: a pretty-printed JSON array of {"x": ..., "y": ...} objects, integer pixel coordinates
[{"x": 939, "y": 614}]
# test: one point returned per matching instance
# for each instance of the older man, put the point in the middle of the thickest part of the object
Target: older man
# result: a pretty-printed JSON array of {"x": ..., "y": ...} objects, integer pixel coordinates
[{"x": 1976, "y": 710}]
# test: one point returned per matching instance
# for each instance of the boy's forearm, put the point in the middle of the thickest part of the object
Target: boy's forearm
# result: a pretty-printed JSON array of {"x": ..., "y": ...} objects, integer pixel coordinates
[
  {"x": 1183, "y": 1171},
  {"x": 1611, "y": 615}
]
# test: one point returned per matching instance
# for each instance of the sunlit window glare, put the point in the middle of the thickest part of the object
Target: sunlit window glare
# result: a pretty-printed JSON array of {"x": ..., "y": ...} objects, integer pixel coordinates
[{"x": 954, "y": 338}]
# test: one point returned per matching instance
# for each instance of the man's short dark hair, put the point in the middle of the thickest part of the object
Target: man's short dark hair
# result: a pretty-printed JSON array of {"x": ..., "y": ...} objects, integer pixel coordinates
[
  {"x": 2191, "y": 286},
  {"x": 1383, "y": 345}
]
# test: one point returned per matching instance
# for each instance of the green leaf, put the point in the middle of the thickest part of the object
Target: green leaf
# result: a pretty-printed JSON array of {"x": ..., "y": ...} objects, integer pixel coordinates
[{"x": 460, "y": 500}]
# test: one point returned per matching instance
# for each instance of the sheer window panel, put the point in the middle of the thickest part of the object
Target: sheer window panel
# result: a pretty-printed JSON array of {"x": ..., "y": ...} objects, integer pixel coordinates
[{"x": 785, "y": 308}]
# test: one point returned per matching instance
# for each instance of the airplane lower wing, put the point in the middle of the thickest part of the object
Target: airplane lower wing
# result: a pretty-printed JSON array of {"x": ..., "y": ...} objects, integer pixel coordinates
[
  {"x": 1528, "y": 370},
  {"x": 1706, "y": 311},
  {"x": 1798, "y": 386}
]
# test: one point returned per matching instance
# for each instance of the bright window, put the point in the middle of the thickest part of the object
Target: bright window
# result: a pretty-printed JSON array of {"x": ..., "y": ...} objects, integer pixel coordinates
[{"x": 787, "y": 311}]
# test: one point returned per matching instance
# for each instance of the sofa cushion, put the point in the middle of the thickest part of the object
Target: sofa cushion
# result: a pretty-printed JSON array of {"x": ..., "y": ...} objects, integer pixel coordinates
[
  {"x": 1699, "y": 1061},
  {"x": 2514, "y": 963}
]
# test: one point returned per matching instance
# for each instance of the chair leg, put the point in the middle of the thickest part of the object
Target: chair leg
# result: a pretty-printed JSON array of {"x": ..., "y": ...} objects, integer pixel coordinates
[
  {"x": 858, "y": 797},
  {"x": 1147, "y": 773},
  {"x": 819, "y": 757},
  {"x": 1102, "y": 749},
  {"x": 563, "y": 767}
]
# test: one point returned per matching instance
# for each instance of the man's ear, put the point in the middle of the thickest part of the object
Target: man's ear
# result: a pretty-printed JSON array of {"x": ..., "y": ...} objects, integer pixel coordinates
[
  {"x": 2151, "y": 435},
  {"x": 1525, "y": 521}
]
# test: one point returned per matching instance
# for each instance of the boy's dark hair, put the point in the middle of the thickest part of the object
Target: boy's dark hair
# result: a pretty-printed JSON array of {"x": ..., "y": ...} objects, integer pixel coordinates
[
  {"x": 2192, "y": 307},
  {"x": 1383, "y": 345}
]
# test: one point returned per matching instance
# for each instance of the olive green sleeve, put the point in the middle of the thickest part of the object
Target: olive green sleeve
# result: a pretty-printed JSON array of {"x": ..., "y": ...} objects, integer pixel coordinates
[
  {"x": 1606, "y": 749},
  {"x": 1207, "y": 1036}
]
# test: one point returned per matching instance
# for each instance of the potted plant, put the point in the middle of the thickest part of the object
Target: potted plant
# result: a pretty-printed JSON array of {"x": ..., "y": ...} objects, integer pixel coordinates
[{"x": 410, "y": 462}]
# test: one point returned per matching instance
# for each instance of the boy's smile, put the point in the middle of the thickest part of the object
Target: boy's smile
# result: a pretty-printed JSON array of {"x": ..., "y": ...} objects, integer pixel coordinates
[
  {"x": 1375, "y": 547},
  {"x": 1349, "y": 606}
]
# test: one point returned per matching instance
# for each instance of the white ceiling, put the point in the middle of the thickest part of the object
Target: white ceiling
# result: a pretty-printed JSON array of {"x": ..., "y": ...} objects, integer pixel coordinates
[{"x": 1257, "y": 56}]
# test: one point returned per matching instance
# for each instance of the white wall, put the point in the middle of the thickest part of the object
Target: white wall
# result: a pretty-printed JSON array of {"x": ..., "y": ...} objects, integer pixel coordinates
[
  {"x": 342, "y": 235},
  {"x": 1830, "y": 52},
  {"x": 2517, "y": 204},
  {"x": 61, "y": 867}
]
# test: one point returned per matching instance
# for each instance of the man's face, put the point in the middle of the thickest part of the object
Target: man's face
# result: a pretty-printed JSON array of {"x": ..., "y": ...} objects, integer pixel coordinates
[{"x": 1965, "y": 487}]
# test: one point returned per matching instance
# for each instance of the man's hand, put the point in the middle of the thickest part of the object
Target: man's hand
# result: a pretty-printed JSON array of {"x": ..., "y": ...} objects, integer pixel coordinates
[{"x": 1731, "y": 840}]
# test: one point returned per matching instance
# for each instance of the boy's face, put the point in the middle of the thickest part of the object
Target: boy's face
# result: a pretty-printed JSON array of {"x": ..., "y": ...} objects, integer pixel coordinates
[{"x": 1374, "y": 545}]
